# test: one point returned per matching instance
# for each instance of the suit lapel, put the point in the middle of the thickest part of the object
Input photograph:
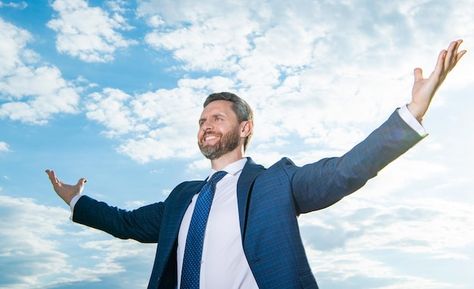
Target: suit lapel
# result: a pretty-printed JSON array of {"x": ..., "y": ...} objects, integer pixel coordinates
[
  {"x": 184, "y": 199},
  {"x": 249, "y": 173},
  {"x": 168, "y": 239}
]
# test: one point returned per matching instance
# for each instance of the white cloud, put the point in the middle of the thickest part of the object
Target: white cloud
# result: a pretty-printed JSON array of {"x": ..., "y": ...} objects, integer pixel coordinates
[
  {"x": 29, "y": 243},
  {"x": 12, "y": 48},
  {"x": 32, "y": 93},
  {"x": 27, "y": 234},
  {"x": 117, "y": 6},
  {"x": 199, "y": 165},
  {"x": 154, "y": 125},
  {"x": 4, "y": 147},
  {"x": 109, "y": 109},
  {"x": 89, "y": 33},
  {"x": 213, "y": 45},
  {"x": 322, "y": 72},
  {"x": 348, "y": 239},
  {"x": 131, "y": 205},
  {"x": 15, "y": 5}
]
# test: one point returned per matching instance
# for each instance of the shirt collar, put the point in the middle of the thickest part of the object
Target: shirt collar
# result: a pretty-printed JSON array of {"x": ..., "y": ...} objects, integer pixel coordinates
[{"x": 232, "y": 168}]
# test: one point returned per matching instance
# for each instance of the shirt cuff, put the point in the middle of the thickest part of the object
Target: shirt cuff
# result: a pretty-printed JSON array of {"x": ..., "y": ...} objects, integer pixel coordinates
[
  {"x": 73, "y": 203},
  {"x": 406, "y": 115}
]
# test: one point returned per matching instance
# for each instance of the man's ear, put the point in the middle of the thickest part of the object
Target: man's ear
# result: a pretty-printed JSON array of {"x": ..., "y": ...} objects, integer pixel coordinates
[{"x": 246, "y": 128}]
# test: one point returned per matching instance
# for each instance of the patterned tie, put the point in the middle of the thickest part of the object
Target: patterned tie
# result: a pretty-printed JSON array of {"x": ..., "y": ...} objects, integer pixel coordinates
[{"x": 195, "y": 238}]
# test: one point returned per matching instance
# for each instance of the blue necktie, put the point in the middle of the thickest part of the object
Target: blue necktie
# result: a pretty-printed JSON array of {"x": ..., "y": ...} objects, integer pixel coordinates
[{"x": 195, "y": 238}]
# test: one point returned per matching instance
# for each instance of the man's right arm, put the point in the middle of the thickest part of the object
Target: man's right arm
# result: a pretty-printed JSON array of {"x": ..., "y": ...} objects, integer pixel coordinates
[{"x": 142, "y": 224}]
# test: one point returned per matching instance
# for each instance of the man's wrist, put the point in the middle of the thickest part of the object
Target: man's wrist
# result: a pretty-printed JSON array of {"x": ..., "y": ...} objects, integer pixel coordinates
[
  {"x": 73, "y": 202},
  {"x": 408, "y": 117},
  {"x": 416, "y": 111}
]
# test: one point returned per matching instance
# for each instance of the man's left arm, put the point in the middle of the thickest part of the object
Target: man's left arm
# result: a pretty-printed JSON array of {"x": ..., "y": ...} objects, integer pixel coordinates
[{"x": 318, "y": 185}]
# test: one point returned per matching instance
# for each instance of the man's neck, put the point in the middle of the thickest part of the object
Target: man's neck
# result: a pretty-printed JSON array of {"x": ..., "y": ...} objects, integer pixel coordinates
[{"x": 228, "y": 158}]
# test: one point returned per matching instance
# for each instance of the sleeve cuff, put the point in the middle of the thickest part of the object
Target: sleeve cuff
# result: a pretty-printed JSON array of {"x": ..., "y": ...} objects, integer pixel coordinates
[
  {"x": 72, "y": 204},
  {"x": 406, "y": 115}
]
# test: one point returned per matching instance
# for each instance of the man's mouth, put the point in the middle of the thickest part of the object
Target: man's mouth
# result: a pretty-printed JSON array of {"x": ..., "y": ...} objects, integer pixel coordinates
[{"x": 209, "y": 138}]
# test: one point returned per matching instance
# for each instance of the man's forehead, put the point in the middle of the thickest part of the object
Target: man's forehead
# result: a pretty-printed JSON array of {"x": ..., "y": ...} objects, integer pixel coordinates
[
  {"x": 211, "y": 115},
  {"x": 218, "y": 107}
]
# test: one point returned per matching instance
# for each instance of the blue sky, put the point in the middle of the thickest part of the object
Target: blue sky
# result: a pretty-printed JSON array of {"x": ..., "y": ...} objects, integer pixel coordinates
[{"x": 112, "y": 90}]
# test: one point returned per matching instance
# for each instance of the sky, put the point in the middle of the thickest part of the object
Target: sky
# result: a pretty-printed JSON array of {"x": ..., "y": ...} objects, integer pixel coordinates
[{"x": 112, "y": 91}]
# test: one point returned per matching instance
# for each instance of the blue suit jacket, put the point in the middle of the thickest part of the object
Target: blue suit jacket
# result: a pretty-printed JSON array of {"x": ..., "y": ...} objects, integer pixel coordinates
[{"x": 269, "y": 201}]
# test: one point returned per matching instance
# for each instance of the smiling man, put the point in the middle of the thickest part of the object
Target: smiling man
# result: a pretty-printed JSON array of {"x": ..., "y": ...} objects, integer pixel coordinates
[{"x": 238, "y": 228}]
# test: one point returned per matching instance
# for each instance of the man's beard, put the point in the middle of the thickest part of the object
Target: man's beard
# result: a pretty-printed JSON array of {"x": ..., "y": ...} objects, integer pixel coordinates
[{"x": 227, "y": 143}]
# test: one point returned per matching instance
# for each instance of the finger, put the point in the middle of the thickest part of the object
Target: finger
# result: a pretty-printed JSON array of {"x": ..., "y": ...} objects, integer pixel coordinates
[
  {"x": 81, "y": 182},
  {"x": 458, "y": 43},
  {"x": 52, "y": 177},
  {"x": 451, "y": 53},
  {"x": 455, "y": 57},
  {"x": 418, "y": 73},
  {"x": 459, "y": 55},
  {"x": 441, "y": 62}
]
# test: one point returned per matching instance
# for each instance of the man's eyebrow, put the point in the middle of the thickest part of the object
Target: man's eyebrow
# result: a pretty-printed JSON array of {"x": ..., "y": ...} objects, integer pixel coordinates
[{"x": 214, "y": 115}]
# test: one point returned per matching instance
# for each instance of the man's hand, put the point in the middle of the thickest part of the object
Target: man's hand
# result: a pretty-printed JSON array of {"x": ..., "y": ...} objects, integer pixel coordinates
[
  {"x": 424, "y": 88},
  {"x": 65, "y": 191}
]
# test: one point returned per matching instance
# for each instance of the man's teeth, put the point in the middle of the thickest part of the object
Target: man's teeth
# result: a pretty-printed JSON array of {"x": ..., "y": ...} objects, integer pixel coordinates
[{"x": 210, "y": 137}]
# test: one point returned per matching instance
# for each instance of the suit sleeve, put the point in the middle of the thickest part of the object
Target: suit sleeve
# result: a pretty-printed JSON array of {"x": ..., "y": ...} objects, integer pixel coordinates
[
  {"x": 142, "y": 224},
  {"x": 318, "y": 185}
]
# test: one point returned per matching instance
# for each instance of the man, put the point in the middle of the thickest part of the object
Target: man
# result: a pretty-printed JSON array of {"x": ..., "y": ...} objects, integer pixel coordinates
[{"x": 238, "y": 228}]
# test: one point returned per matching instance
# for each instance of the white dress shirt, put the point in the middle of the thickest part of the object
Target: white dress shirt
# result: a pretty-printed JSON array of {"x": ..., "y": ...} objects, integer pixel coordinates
[{"x": 224, "y": 264}]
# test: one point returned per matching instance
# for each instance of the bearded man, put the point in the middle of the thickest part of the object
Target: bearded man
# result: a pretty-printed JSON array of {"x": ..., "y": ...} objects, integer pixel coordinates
[{"x": 238, "y": 228}]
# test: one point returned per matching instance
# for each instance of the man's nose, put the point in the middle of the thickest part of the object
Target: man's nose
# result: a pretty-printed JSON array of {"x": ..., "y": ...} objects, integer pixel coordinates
[{"x": 206, "y": 126}]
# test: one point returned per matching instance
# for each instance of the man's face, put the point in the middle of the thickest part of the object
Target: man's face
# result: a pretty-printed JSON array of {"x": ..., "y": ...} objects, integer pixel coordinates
[{"x": 219, "y": 130}]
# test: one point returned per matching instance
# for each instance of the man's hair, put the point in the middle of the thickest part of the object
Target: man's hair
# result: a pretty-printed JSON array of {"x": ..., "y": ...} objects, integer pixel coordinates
[{"x": 241, "y": 108}]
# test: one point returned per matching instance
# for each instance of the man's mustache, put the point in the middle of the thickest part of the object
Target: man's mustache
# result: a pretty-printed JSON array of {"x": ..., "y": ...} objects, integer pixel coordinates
[{"x": 210, "y": 133}]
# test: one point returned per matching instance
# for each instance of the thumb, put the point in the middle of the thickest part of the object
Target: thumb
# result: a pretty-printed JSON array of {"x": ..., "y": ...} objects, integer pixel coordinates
[
  {"x": 418, "y": 73},
  {"x": 81, "y": 182}
]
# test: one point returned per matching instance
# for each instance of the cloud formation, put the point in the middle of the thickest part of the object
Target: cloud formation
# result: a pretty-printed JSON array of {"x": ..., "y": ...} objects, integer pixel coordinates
[
  {"x": 30, "y": 92},
  {"x": 28, "y": 249},
  {"x": 320, "y": 76},
  {"x": 292, "y": 61},
  {"x": 32, "y": 256},
  {"x": 88, "y": 33},
  {"x": 15, "y": 5},
  {"x": 4, "y": 147},
  {"x": 360, "y": 239},
  {"x": 154, "y": 125}
]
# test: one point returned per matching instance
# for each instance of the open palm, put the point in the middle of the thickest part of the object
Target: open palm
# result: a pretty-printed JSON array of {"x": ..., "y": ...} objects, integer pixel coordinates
[
  {"x": 65, "y": 191},
  {"x": 425, "y": 88}
]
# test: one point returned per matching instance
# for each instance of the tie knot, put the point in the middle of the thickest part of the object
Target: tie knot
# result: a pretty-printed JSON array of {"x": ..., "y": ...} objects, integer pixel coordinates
[{"x": 216, "y": 177}]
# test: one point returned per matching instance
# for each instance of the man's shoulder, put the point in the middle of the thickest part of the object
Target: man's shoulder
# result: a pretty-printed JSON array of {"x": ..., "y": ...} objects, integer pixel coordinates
[
  {"x": 184, "y": 190},
  {"x": 284, "y": 165},
  {"x": 188, "y": 185}
]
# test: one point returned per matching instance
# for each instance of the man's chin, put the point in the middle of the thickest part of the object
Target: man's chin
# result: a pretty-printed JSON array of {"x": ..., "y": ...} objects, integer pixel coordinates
[
  {"x": 210, "y": 152},
  {"x": 210, "y": 156}
]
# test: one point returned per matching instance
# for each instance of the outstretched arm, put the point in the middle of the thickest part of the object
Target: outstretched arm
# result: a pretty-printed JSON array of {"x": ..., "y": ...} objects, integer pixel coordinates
[
  {"x": 425, "y": 88},
  {"x": 142, "y": 224},
  {"x": 321, "y": 184}
]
